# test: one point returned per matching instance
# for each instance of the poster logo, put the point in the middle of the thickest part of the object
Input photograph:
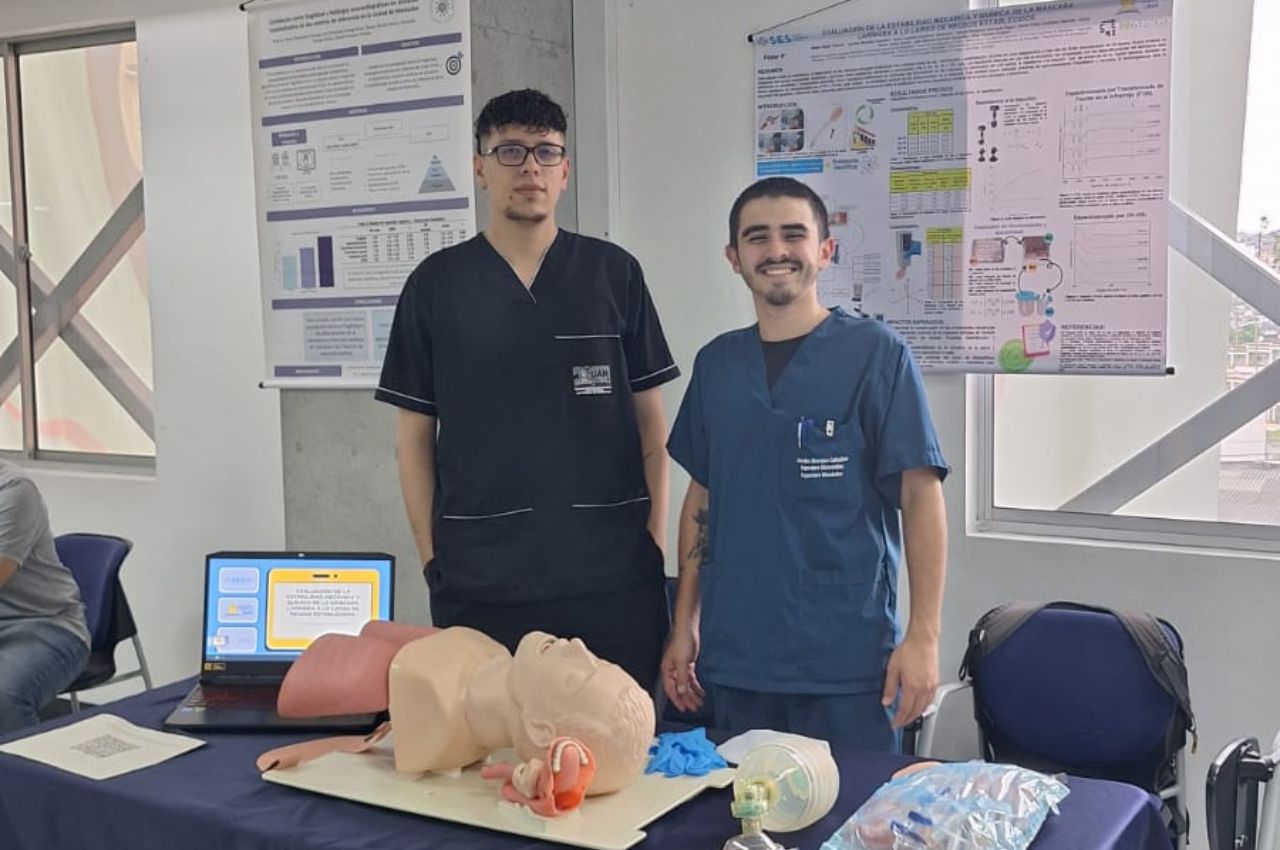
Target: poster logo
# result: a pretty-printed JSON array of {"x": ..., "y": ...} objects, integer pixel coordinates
[
  {"x": 454, "y": 64},
  {"x": 442, "y": 10}
]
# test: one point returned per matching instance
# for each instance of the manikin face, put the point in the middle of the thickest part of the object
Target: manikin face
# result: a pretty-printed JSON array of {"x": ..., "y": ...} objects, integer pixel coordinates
[
  {"x": 562, "y": 689},
  {"x": 527, "y": 192},
  {"x": 546, "y": 664},
  {"x": 780, "y": 250}
]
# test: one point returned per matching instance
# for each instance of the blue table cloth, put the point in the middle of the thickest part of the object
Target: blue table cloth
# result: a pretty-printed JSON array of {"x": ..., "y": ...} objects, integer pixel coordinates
[{"x": 213, "y": 799}]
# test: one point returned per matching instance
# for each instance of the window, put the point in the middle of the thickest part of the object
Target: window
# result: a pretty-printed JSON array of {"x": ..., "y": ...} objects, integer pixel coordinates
[
  {"x": 1193, "y": 458},
  {"x": 76, "y": 383}
]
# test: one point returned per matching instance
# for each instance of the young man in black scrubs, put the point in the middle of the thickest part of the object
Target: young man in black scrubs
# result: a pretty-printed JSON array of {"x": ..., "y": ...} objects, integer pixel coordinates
[{"x": 526, "y": 364}]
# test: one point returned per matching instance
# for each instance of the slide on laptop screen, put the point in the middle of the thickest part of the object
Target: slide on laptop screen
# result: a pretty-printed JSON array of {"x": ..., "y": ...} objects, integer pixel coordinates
[{"x": 261, "y": 611}]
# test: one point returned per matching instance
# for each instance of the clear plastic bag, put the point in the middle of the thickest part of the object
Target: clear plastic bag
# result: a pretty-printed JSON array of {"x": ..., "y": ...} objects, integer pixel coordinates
[{"x": 963, "y": 806}]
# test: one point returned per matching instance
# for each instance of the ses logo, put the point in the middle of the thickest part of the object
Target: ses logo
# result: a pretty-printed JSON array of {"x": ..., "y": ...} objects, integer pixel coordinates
[{"x": 1128, "y": 17}]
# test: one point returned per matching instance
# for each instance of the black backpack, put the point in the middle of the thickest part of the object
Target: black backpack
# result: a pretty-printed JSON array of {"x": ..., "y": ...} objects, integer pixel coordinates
[{"x": 1160, "y": 647}]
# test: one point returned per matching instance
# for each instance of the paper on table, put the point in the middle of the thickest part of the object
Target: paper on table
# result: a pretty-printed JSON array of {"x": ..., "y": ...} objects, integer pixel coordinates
[
  {"x": 101, "y": 747},
  {"x": 736, "y": 748}
]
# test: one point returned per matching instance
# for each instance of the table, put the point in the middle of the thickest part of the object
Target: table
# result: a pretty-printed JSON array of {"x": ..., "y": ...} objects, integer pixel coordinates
[{"x": 213, "y": 799}]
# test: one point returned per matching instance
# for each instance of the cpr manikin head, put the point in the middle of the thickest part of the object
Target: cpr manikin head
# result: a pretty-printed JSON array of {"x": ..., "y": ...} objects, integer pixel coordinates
[
  {"x": 560, "y": 689},
  {"x": 458, "y": 695}
]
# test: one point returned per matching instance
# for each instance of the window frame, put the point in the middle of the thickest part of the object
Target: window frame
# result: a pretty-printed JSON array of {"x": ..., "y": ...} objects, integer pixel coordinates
[
  {"x": 989, "y": 519},
  {"x": 11, "y": 51},
  {"x": 1224, "y": 261}
]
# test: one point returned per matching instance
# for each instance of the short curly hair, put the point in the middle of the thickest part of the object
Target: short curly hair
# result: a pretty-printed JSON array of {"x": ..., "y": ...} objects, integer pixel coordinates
[{"x": 520, "y": 108}]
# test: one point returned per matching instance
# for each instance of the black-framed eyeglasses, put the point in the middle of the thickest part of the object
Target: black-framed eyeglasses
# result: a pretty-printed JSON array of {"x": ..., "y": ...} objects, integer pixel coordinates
[{"x": 514, "y": 153}]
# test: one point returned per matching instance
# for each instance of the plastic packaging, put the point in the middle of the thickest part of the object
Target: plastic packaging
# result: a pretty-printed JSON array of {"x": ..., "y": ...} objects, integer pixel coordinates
[{"x": 964, "y": 806}]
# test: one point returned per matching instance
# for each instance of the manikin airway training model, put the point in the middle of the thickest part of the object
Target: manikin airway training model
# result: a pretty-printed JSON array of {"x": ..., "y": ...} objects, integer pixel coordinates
[{"x": 580, "y": 725}]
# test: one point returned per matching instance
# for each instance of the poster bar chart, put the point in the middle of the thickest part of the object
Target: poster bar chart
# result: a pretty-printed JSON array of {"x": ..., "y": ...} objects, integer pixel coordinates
[
  {"x": 308, "y": 257},
  {"x": 324, "y": 245},
  {"x": 289, "y": 272}
]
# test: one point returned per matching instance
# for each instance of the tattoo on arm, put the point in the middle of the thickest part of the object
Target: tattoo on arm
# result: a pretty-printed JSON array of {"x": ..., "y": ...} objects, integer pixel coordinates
[{"x": 701, "y": 543}]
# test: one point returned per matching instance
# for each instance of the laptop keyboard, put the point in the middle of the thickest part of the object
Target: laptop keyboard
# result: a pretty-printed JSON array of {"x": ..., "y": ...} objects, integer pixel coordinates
[{"x": 232, "y": 697}]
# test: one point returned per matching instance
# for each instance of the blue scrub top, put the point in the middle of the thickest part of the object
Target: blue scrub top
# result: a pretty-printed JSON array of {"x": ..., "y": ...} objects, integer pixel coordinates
[{"x": 799, "y": 587}]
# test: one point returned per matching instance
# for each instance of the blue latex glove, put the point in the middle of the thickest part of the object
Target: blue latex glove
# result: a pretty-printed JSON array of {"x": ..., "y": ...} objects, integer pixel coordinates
[{"x": 684, "y": 754}]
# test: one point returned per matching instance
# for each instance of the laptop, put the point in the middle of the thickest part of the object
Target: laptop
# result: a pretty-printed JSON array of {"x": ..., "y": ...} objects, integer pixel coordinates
[{"x": 261, "y": 610}]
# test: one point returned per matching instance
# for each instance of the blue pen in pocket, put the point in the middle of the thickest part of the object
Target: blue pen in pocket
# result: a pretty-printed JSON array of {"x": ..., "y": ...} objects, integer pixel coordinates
[{"x": 803, "y": 427}]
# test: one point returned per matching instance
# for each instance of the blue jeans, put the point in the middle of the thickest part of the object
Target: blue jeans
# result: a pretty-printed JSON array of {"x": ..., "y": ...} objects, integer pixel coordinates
[{"x": 38, "y": 660}]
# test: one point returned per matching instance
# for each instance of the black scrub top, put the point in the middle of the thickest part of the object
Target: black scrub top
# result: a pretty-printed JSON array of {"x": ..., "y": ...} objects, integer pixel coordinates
[{"x": 540, "y": 489}]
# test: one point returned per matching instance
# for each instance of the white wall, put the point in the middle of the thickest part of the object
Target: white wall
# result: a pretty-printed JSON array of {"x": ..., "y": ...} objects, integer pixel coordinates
[
  {"x": 218, "y": 478},
  {"x": 684, "y": 101},
  {"x": 684, "y": 84}
]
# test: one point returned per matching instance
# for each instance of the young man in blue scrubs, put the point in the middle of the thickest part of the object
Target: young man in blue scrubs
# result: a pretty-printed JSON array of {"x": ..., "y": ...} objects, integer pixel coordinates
[
  {"x": 526, "y": 364},
  {"x": 805, "y": 436}
]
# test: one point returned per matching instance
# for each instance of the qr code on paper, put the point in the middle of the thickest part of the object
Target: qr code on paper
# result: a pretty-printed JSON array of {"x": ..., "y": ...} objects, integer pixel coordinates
[{"x": 105, "y": 746}]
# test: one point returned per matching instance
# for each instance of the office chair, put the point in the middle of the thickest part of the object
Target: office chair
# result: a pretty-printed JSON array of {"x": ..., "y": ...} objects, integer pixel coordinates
[
  {"x": 94, "y": 560},
  {"x": 1231, "y": 797},
  {"x": 1070, "y": 690}
]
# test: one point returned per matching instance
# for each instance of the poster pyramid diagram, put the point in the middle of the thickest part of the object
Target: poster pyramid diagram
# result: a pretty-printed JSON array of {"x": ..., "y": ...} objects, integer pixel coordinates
[{"x": 436, "y": 179}]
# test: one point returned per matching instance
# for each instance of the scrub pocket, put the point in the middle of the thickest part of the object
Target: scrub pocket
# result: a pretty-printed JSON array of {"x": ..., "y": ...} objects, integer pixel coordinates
[
  {"x": 592, "y": 367},
  {"x": 821, "y": 467},
  {"x": 821, "y": 459},
  {"x": 482, "y": 556},
  {"x": 602, "y": 450}
]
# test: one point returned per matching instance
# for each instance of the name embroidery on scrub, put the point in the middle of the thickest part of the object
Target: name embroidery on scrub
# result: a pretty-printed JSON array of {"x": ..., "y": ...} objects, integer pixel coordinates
[
  {"x": 592, "y": 380},
  {"x": 822, "y": 467}
]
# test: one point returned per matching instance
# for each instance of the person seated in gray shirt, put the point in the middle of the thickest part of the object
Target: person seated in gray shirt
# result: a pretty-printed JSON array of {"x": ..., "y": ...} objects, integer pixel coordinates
[{"x": 44, "y": 639}]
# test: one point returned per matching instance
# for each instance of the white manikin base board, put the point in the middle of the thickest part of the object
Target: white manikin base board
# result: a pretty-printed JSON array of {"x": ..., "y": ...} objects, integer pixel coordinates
[{"x": 608, "y": 822}]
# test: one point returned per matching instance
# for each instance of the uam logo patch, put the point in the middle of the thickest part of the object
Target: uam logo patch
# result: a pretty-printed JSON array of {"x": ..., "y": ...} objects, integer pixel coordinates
[{"x": 592, "y": 380}]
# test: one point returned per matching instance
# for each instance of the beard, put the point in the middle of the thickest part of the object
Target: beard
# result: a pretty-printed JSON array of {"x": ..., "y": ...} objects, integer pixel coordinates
[
  {"x": 778, "y": 296},
  {"x": 513, "y": 214}
]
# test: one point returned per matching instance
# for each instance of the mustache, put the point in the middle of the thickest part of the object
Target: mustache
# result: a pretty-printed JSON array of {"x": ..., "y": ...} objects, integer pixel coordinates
[{"x": 791, "y": 265}]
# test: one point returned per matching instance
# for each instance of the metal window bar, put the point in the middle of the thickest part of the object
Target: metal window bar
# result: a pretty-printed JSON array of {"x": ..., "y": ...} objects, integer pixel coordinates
[
  {"x": 52, "y": 310},
  {"x": 1090, "y": 514}
]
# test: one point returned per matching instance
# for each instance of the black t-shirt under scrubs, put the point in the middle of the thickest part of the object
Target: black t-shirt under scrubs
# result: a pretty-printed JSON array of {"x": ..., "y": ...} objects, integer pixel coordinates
[{"x": 540, "y": 489}]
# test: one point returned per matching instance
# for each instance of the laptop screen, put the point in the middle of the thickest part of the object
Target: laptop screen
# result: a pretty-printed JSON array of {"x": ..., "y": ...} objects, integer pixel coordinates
[{"x": 263, "y": 609}]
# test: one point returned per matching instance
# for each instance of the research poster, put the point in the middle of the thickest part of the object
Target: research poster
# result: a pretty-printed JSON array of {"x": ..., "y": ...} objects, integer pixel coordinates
[
  {"x": 996, "y": 180},
  {"x": 362, "y": 154}
]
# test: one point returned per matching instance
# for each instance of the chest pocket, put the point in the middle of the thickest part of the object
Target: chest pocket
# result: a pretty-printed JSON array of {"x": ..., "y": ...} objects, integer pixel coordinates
[
  {"x": 603, "y": 443},
  {"x": 821, "y": 460},
  {"x": 822, "y": 466},
  {"x": 592, "y": 368}
]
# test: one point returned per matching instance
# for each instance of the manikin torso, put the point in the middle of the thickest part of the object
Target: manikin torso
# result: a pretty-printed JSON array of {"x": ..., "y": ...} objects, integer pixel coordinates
[{"x": 429, "y": 681}]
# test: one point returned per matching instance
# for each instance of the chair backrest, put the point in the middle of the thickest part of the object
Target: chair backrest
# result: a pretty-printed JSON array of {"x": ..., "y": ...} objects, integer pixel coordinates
[
  {"x": 1231, "y": 795},
  {"x": 1071, "y": 690},
  {"x": 94, "y": 560},
  {"x": 1243, "y": 784}
]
